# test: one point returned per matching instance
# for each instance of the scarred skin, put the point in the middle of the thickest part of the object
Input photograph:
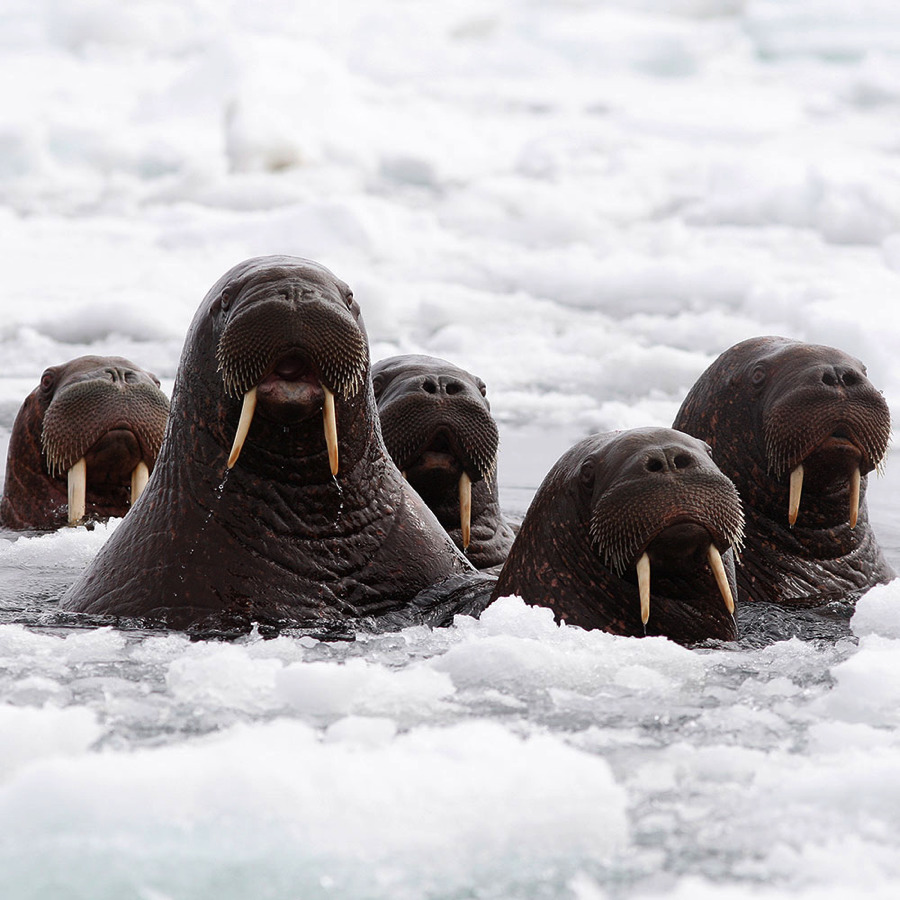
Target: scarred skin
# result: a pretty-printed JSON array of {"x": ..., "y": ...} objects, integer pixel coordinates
[
  {"x": 766, "y": 405},
  {"x": 276, "y": 538},
  {"x": 103, "y": 408},
  {"x": 609, "y": 499},
  {"x": 437, "y": 424}
]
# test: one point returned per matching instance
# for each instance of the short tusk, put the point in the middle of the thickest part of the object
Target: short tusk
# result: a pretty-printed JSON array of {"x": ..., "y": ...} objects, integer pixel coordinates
[
  {"x": 139, "y": 478},
  {"x": 643, "y": 574},
  {"x": 465, "y": 508},
  {"x": 796, "y": 490},
  {"x": 77, "y": 491},
  {"x": 854, "y": 497},
  {"x": 718, "y": 568},
  {"x": 331, "y": 436},
  {"x": 244, "y": 422}
]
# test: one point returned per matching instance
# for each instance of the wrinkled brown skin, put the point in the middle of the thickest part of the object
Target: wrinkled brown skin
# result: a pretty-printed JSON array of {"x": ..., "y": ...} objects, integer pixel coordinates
[
  {"x": 276, "y": 539},
  {"x": 104, "y": 408},
  {"x": 660, "y": 492},
  {"x": 437, "y": 424},
  {"x": 799, "y": 395}
]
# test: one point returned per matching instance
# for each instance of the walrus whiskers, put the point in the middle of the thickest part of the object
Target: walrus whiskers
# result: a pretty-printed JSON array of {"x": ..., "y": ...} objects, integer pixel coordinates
[
  {"x": 718, "y": 568},
  {"x": 244, "y": 422},
  {"x": 331, "y": 436},
  {"x": 77, "y": 491},
  {"x": 643, "y": 574},
  {"x": 465, "y": 508},
  {"x": 855, "y": 480},
  {"x": 139, "y": 478},
  {"x": 796, "y": 490}
]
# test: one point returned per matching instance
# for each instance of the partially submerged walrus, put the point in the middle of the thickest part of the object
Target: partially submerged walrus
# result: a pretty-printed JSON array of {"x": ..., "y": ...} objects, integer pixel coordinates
[
  {"x": 273, "y": 498},
  {"x": 83, "y": 444},
  {"x": 632, "y": 532},
  {"x": 797, "y": 427},
  {"x": 438, "y": 428}
]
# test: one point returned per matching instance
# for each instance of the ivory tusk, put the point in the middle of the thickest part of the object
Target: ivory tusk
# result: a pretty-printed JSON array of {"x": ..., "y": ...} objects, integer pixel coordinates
[
  {"x": 139, "y": 478},
  {"x": 465, "y": 508},
  {"x": 643, "y": 574},
  {"x": 718, "y": 568},
  {"x": 77, "y": 491},
  {"x": 331, "y": 436},
  {"x": 244, "y": 422},
  {"x": 854, "y": 497},
  {"x": 796, "y": 490}
]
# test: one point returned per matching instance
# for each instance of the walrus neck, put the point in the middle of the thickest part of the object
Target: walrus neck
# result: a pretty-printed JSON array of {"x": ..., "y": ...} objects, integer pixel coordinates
[{"x": 804, "y": 566}]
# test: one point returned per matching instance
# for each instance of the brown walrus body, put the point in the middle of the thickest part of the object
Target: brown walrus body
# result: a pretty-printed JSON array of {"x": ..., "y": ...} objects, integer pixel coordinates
[
  {"x": 99, "y": 419},
  {"x": 277, "y": 354},
  {"x": 778, "y": 413},
  {"x": 438, "y": 428},
  {"x": 645, "y": 505}
]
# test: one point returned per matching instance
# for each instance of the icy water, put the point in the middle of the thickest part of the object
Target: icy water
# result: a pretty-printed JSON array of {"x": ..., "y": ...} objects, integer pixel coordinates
[{"x": 583, "y": 202}]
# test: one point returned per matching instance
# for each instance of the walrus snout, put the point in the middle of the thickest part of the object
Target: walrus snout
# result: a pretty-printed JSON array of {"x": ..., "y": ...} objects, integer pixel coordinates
[{"x": 308, "y": 341}]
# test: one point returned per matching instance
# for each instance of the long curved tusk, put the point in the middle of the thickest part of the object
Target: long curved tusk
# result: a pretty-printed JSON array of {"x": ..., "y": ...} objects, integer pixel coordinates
[
  {"x": 331, "y": 436},
  {"x": 139, "y": 478},
  {"x": 77, "y": 491},
  {"x": 854, "y": 497},
  {"x": 796, "y": 490},
  {"x": 244, "y": 422},
  {"x": 718, "y": 568},
  {"x": 465, "y": 508},
  {"x": 643, "y": 574}
]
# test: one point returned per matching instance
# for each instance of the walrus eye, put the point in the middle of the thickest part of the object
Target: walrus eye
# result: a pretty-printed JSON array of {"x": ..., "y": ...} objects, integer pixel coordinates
[
  {"x": 378, "y": 385},
  {"x": 47, "y": 380},
  {"x": 586, "y": 474},
  {"x": 758, "y": 376},
  {"x": 349, "y": 299},
  {"x": 481, "y": 387},
  {"x": 225, "y": 299}
]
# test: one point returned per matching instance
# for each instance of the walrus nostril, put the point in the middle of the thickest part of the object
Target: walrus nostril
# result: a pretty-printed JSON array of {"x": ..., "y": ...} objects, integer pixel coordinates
[
  {"x": 429, "y": 386},
  {"x": 831, "y": 378},
  {"x": 451, "y": 386},
  {"x": 683, "y": 461},
  {"x": 655, "y": 464}
]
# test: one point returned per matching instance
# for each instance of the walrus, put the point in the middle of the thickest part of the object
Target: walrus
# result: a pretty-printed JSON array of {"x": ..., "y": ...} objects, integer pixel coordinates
[
  {"x": 797, "y": 427},
  {"x": 632, "y": 532},
  {"x": 83, "y": 443},
  {"x": 273, "y": 499},
  {"x": 437, "y": 426}
]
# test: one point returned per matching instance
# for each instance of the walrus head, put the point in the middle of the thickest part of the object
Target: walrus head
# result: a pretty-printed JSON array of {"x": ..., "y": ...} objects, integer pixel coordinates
[
  {"x": 438, "y": 428},
  {"x": 288, "y": 346},
  {"x": 273, "y": 498},
  {"x": 84, "y": 443},
  {"x": 633, "y": 532},
  {"x": 797, "y": 427}
]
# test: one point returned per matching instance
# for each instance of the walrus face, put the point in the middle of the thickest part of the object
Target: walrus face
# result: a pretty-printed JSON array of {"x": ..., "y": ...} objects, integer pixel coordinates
[
  {"x": 99, "y": 423},
  {"x": 824, "y": 425},
  {"x": 438, "y": 428},
  {"x": 290, "y": 339},
  {"x": 656, "y": 503}
]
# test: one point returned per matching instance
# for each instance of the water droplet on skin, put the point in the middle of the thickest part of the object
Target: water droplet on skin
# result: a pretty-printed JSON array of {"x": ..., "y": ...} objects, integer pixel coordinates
[{"x": 340, "y": 491}]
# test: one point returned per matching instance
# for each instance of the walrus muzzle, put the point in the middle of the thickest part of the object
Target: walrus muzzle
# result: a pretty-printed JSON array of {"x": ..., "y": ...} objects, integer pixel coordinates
[
  {"x": 832, "y": 442},
  {"x": 629, "y": 518},
  {"x": 81, "y": 415},
  {"x": 258, "y": 337}
]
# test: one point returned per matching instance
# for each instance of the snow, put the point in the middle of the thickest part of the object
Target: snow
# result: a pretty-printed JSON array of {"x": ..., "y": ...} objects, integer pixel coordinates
[{"x": 582, "y": 202}]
